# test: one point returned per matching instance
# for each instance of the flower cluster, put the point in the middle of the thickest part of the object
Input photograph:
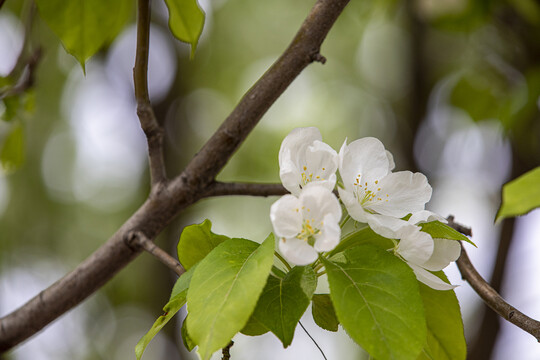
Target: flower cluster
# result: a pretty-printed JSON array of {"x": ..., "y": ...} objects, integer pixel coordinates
[{"x": 307, "y": 221}]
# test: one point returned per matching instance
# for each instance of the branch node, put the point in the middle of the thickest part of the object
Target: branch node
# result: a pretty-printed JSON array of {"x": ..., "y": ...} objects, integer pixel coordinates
[
  {"x": 318, "y": 58},
  {"x": 132, "y": 240}
]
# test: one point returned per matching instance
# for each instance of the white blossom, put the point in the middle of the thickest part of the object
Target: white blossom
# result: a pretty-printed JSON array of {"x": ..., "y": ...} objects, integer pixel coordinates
[
  {"x": 372, "y": 193},
  {"x": 306, "y": 225},
  {"x": 305, "y": 159},
  {"x": 422, "y": 252}
]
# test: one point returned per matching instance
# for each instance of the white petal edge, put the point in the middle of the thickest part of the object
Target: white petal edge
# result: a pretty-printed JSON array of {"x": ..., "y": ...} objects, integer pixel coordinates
[
  {"x": 444, "y": 252},
  {"x": 297, "y": 252},
  {"x": 286, "y": 220},
  {"x": 429, "y": 279},
  {"x": 414, "y": 245}
]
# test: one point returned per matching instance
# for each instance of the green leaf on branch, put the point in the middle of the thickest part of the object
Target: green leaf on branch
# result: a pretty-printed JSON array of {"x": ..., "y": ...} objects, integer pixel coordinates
[
  {"x": 442, "y": 231},
  {"x": 445, "y": 337},
  {"x": 364, "y": 236},
  {"x": 520, "y": 195},
  {"x": 85, "y": 26},
  {"x": 186, "y": 21},
  {"x": 186, "y": 339},
  {"x": 284, "y": 301},
  {"x": 196, "y": 241},
  {"x": 12, "y": 149},
  {"x": 176, "y": 301},
  {"x": 378, "y": 303},
  {"x": 224, "y": 291},
  {"x": 324, "y": 313}
]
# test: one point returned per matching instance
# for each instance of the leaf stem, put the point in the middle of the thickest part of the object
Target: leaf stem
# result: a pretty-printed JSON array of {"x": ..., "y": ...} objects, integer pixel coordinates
[
  {"x": 344, "y": 221},
  {"x": 276, "y": 254}
]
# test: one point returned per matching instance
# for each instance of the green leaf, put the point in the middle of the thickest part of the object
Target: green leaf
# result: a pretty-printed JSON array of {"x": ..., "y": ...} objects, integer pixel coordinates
[
  {"x": 186, "y": 21},
  {"x": 520, "y": 195},
  {"x": 224, "y": 291},
  {"x": 176, "y": 301},
  {"x": 445, "y": 337},
  {"x": 284, "y": 301},
  {"x": 84, "y": 26},
  {"x": 378, "y": 303},
  {"x": 363, "y": 236},
  {"x": 186, "y": 339},
  {"x": 442, "y": 231},
  {"x": 12, "y": 150},
  {"x": 196, "y": 241},
  {"x": 254, "y": 327},
  {"x": 324, "y": 313}
]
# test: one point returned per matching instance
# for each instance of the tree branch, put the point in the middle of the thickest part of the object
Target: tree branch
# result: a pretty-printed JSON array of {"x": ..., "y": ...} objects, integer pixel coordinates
[
  {"x": 303, "y": 50},
  {"x": 488, "y": 294},
  {"x": 137, "y": 239},
  {"x": 493, "y": 299},
  {"x": 149, "y": 123},
  {"x": 160, "y": 208},
  {"x": 220, "y": 189}
]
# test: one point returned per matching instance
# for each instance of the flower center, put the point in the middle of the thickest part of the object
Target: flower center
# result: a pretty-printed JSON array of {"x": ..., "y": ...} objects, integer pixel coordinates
[
  {"x": 308, "y": 177},
  {"x": 309, "y": 231},
  {"x": 368, "y": 193}
]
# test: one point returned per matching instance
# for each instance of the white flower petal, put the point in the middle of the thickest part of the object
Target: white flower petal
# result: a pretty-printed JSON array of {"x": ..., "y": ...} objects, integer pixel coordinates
[
  {"x": 289, "y": 174},
  {"x": 356, "y": 211},
  {"x": 424, "y": 216},
  {"x": 414, "y": 245},
  {"x": 304, "y": 158},
  {"x": 330, "y": 234},
  {"x": 318, "y": 201},
  {"x": 366, "y": 157},
  {"x": 386, "y": 226},
  {"x": 407, "y": 193},
  {"x": 391, "y": 163},
  {"x": 297, "y": 252},
  {"x": 429, "y": 279},
  {"x": 286, "y": 217},
  {"x": 444, "y": 252},
  {"x": 297, "y": 140}
]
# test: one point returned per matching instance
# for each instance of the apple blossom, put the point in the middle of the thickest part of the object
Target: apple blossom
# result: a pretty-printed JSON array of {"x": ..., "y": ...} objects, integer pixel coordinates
[
  {"x": 305, "y": 159},
  {"x": 306, "y": 225},
  {"x": 372, "y": 193}
]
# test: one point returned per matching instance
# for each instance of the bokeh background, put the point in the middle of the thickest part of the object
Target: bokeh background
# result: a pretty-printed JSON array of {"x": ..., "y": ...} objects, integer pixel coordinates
[{"x": 450, "y": 86}]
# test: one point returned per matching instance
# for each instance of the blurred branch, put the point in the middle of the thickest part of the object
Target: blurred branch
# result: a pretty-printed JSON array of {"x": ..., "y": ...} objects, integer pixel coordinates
[
  {"x": 138, "y": 239},
  {"x": 160, "y": 208},
  {"x": 2, "y": 3},
  {"x": 26, "y": 80},
  {"x": 23, "y": 72},
  {"x": 152, "y": 129},
  {"x": 220, "y": 189},
  {"x": 489, "y": 295}
]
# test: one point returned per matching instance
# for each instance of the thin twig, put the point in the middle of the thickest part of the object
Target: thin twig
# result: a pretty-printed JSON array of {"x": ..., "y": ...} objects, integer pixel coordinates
[
  {"x": 23, "y": 73},
  {"x": 158, "y": 211},
  {"x": 149, "y": 123},
  {"x": 139, "y": 239},
  {"x": 312, "y": 339},
  {"x": 488, "y": 294},
  {"x": 220, "y": 189},
  {"x": 459, "y": 227},
  {"x": 226, "y": 351},
  {"x": 493, "y": 299}
]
